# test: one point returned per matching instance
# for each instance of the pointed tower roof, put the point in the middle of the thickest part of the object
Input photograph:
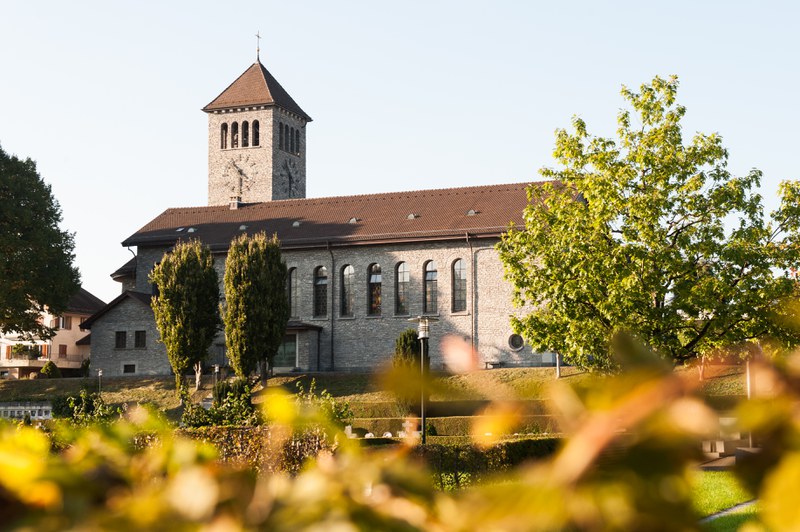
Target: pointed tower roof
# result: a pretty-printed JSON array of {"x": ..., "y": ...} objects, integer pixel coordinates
[{"x": 255, "y": 86}]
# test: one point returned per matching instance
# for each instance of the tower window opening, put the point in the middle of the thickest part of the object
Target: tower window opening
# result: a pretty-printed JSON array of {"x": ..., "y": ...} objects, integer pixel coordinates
[
  {"x": 256, "y": 134},
  {"x": 223, "y": 136},
  {"x": 297, "y": 141},
  {"x": 245, "y": 134},
  {"x": 235, "y": 135},
  {"x": 280, "y": 135},
  {"x": 291, "y": 140}
]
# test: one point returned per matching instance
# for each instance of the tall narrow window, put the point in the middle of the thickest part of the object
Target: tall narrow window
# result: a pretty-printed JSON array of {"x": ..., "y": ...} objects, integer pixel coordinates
[
  {"x": 140, "y": 339},
  {"x": 291, "y": 291},
  {"x": 401, "y": 280},
  {"x": 297, "y": 141},
  {"x": 429, "y": 288},
  {"x": 120, "y": 339},
  {"x": 245, "y": 134},
  {"x": 459, "y": 286},
  {"x": 291, "y": 140},
  {"x": 374, "y": 290},
  {"x": 286, "y": 137},
  {"x": 280, "y": 135},
  {"x": 348, "y": 275},
  {"x": 320, "y": 292},
  {"x": 256, "y": 133},
  {"x": 235, "y": 135},
  {"x": 223, "y": 136}
]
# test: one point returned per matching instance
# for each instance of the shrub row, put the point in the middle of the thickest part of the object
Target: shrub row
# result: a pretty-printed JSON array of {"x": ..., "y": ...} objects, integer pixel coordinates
[
  {"x": 452, "y": 426},
  {"x": 440, "y": 408}
]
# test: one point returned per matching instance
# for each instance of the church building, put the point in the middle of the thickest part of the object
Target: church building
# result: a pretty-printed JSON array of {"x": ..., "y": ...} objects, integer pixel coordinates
[{"x": 359, "y": 266}]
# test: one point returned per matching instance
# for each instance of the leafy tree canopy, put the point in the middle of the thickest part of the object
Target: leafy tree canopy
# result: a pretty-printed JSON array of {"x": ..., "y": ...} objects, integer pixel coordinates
[
  {"x": 256, "y": 308},
  {"x": 186, "y": 306},
  {"x": 653, "y": 236},
  {"x": 35, "y": 255}
]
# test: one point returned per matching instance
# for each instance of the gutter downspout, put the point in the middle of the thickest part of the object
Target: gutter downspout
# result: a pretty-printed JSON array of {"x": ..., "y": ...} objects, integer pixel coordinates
[
  {"x": 472, "y": 298},
  {"x": 331, "y": 283}
]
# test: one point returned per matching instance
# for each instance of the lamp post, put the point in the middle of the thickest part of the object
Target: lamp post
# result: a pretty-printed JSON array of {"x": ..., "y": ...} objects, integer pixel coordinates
[
  {"x": 423, "y": 332},
  {"x": 99, "y": 380},
  {"x": 216, "y": 375}
]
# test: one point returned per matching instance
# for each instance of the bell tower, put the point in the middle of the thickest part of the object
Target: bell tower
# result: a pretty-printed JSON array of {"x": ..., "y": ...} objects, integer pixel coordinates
[{"x": 256, "y": 142}]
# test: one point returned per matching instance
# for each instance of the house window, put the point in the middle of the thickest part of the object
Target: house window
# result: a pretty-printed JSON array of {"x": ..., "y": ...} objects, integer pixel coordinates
[
  {"x": 62, "y": 350},
  {"x": 291, "y": 291},
  {"x": 140, "y": 339},
  {"x": 245, "y": 134},
  {"x": 348, "y": 274},
  {"x": 223, "y": 136},
  {"x": 65, "y": 322},
  {"x": 128, "y": 369},
  {"x": 429, "y": 288},
  {"x": 286, "y": 357},
  {"x": 320, "y": 292},
  {"x": 120, "y": 340},
  {"x": 401, "y": 280},
  {"x": 256, "y": 133},
  {"x": 459, "y": 286},
  {"x": 374, "y": 290},
  {"x": 235, "y": 135}
]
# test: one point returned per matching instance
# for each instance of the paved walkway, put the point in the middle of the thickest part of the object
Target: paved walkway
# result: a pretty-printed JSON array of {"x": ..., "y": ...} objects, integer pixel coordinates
[
  {"x": 727, "y": 511},
  {"x": 719, "y": 464}
]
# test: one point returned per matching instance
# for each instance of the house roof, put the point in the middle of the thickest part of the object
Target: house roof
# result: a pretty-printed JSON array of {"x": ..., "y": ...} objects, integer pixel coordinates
[
  {"x": 86, "y": 340},
  {"x": 443, "y": 214},
  {"x": 126, "y": 270},
  {"x": 256, "y": 86},
  {"x": 83, "y": 302},
  {"x": 124, "y": 296}
]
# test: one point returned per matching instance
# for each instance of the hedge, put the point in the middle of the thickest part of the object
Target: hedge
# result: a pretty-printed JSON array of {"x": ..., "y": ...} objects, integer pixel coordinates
[{"x": 452, "y": 426}]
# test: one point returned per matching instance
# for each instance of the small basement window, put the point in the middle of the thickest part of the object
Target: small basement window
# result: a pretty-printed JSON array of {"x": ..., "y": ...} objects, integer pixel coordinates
[{"x": 128, "y": 369}]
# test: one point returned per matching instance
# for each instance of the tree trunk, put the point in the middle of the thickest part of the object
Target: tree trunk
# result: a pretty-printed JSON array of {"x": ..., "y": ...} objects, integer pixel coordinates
[
  {"x": 702, "y": 370},
  {"x": 198, "y": 375}
]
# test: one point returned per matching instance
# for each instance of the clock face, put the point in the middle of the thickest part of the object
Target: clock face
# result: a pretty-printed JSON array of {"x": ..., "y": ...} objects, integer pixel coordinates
[{"x": 240, "y": 173}]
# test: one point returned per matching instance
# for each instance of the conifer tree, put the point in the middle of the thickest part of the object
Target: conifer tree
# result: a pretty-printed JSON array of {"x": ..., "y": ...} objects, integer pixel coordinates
[
  {"x": 256, "y": 308},
  {"x": 186, "y": 306}
]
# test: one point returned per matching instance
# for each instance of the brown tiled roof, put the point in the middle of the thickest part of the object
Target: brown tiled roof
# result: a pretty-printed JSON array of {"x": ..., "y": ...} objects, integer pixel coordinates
[
  {"x": 444, "y": 214},
  {"x": 83, "y": 302},
  {"x": 255, "y": 87}
]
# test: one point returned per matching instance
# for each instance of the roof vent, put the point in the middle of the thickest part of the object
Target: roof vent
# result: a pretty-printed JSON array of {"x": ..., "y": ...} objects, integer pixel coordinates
[
  {"x": 191, "y": 230},
  {"x": 179, "y": 229},
  {"x": 354, "y": 220},
  {"x": 296, "y": 223},
  {"x": 242, "y": 227},
  {"x": 472, "y": 212},
  {"x": 412, "y": 216}
]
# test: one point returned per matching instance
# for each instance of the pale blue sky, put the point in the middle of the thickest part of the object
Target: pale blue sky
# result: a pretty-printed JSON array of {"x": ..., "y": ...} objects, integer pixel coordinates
[{"x": 106, "y": 96}]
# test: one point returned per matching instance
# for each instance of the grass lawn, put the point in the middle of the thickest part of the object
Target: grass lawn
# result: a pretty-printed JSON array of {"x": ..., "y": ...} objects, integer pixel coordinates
[{"x": 715, "y": 491}]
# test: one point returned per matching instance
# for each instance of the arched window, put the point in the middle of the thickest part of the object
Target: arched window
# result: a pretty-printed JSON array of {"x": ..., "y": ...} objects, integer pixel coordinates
[
  {"x": 286, "y": 137},
  {"x": 235, "y": 135},
  {"x": 291, "y": 140},
  {"x": 348, "y": 276},
  {"x": 223, "y": 136},
  {"x": 320, "y": 291},
  {"x": 459, "y": 276},
  {"x": 256, "y": 133},
  {"x": 245, "y": 134},
  {"x": 429, "y": 288},
  {"x": 291, "y": 291},
  {"x": 401, "y": 280},
  {"x": 297, "y": 141},
  {"x": 280, "y": 135},
  {"x": 374, "y": 290}
]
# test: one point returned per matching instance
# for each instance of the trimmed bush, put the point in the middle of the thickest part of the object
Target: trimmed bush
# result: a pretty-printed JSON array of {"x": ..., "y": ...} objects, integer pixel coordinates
[
  {"x": 406, "y": 349},
  {"x": 50, "y": 370},
  {"x": 454, "y": 425}
]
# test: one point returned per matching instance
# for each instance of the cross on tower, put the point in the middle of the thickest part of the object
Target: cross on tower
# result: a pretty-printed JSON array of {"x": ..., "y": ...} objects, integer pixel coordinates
[{"x": 258, "y": 46}]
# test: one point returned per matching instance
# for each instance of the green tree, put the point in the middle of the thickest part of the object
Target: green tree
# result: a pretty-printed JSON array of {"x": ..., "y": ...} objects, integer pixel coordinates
[
  {"x": 186, "y": 306},
  {"x": 652, "y": 236},
  {"x": 256, "y": 309},
  {"x": 35, "y": 255},
  {"x": 50, "y": 370},
  {"x": 407, "y": 349}
]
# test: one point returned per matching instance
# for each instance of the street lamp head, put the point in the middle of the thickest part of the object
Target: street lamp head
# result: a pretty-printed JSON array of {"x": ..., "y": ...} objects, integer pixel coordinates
[
  {"x": 423, "y": 325},
  {"x": 99, "y": 372},
  {"x": 216, "y": 368}
]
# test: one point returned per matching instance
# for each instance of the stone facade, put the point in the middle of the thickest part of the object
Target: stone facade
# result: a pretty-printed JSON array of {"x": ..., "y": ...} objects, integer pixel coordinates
[
  {"x": 127, "y": 316},
  {"x": 264, "y": 172}
]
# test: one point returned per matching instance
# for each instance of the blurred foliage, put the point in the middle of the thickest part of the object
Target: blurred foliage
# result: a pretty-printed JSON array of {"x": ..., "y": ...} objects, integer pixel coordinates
[
  {"x": 627, "y": 464},
  {"x": 89, "y": 407},
  {"x": 232, "y": 405}
]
